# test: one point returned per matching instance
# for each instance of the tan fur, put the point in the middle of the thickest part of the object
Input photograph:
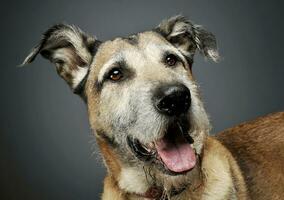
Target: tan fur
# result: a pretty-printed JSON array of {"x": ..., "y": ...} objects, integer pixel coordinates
[
  {"x": 223, "y": 179},
  {"x": 258, "y": 148},
  {"x": 110, "y": 158},
  {"x": 112, "y": 191}
]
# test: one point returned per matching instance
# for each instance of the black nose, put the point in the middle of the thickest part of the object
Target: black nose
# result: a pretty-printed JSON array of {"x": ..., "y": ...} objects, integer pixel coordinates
[{"x": 172, "y": 100}]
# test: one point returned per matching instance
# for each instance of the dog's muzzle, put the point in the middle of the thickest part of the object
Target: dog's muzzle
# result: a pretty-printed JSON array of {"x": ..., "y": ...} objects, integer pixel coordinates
[{"x": 173, "y": 152}]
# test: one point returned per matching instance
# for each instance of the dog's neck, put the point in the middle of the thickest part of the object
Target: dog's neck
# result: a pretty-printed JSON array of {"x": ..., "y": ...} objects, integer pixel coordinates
[
  {"x": 139, "y": 182},
  {"x": 216, "y": 176}
]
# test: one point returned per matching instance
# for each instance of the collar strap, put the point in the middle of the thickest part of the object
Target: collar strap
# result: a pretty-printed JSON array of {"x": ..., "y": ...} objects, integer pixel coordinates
[{"x": 152, "y": 193}]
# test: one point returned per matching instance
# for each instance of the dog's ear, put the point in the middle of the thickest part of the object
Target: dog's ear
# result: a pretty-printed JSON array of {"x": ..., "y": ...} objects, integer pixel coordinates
[
  {"x": 71, "y": 50},
  {"x": 188, "y": 37}
]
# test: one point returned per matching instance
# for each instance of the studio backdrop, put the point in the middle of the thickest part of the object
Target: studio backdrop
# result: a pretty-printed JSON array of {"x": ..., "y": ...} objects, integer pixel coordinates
[{"x": 47, "y": 150}]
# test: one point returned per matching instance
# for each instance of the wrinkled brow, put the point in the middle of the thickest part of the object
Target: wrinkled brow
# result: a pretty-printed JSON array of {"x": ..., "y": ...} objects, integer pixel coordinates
[
  {"x": 109, "y": 64},
  {"x": 117, "y": 61}
]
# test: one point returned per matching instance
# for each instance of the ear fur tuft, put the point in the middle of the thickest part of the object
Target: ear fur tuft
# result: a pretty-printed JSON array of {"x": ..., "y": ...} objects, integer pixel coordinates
[{"x": 188, "y": 37}]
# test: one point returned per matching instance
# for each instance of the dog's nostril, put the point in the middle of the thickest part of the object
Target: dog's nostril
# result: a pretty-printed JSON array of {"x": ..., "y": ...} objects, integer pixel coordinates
[{"x": 172, "y": 100}]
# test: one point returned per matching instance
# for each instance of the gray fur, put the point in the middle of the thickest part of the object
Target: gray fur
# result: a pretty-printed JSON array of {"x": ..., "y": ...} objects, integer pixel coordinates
[
  {"x": 69, "y": 49},
  {"x": 187, "y": 36}
]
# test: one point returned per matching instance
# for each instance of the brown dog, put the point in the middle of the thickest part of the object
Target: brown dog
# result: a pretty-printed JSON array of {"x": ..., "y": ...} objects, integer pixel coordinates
[{"x": 145, "y": 109}]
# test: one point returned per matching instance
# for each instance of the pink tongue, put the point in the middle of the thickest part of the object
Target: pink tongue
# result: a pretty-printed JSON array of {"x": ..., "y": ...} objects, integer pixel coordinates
[{"x": 176, "y": 153}]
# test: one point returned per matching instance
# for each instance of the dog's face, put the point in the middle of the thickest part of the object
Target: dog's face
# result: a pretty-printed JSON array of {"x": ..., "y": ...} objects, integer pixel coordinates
[{"x": 141, "y": 96}]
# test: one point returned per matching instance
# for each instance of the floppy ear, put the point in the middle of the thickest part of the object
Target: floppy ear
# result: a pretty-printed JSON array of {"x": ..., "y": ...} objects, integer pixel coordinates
[
  {"x": 188, "y": 37},
  {"x": 70, "y": 50}
]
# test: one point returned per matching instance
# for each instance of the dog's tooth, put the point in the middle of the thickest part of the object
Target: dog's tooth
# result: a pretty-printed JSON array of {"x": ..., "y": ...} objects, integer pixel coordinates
[{"x": 151, "y": 145}]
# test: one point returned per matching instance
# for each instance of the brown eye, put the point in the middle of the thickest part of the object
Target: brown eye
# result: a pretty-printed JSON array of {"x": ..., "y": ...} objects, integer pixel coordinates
[
  {"x": 115, "y": 75},
  {"x": 171, "y": 60}
]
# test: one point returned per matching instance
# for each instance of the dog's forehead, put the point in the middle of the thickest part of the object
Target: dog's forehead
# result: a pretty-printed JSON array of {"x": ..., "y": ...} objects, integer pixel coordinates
[{"x": 141, "y": 46}]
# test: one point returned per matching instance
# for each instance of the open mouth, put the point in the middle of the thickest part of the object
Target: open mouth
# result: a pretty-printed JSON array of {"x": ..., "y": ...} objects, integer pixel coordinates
[{"x": 174, "y": 151}]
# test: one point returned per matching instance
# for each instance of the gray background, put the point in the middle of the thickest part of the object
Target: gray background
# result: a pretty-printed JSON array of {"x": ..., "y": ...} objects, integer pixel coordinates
[{"x": 46, "y": 147}]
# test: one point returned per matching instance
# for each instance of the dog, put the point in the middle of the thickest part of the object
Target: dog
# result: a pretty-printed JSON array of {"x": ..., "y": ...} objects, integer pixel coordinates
[{"x": 149, "y": 121}]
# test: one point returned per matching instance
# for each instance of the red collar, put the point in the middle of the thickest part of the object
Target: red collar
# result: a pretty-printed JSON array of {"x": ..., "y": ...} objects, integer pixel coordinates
[
  {"x": 152, "y": 193},
  {"x": 156, "y": 193}
]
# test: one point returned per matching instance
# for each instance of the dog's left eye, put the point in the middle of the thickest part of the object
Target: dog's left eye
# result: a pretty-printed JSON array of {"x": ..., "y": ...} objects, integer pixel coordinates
[
  {"x": 115, "y": 74},
  {"x": 171, "y": 60}
]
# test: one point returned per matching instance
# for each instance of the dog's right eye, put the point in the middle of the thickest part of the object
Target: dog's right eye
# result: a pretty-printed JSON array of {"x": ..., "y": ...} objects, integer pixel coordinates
[
  {"x": 171, "y": 60},
  {"x": 115, "y": 74}
]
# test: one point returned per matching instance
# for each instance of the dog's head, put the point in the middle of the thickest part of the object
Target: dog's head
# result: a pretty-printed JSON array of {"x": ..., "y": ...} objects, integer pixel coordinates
[{"x": 142, "y": 99}]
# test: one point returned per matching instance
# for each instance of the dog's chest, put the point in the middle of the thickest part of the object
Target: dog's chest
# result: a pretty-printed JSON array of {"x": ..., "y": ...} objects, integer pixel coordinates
[{"x": 133, "y": 180}]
